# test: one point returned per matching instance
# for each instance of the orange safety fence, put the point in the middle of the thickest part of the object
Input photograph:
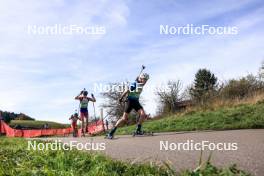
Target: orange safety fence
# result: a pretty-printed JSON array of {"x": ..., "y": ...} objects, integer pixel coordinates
[
  {"x": 93, "y": 128},
  {"x": 96, "y": 127}
]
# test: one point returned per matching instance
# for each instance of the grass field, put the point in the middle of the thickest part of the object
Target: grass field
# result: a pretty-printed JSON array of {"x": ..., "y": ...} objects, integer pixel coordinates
[
  {"x": 238, "y": 117},
  {"x": 37, "y": 124},
  {"x": 15, "y": 159}
]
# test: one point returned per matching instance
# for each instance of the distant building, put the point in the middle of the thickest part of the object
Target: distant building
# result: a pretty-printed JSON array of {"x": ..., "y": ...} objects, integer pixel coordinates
[{"x": 182, "y": 105}]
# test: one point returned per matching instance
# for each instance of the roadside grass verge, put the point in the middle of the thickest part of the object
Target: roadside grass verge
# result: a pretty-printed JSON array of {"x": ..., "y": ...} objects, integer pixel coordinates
[
  {"x": 15, "y": 159},
  {"x": 244, "y": 116},
  {"x": 36, "y": 124}
]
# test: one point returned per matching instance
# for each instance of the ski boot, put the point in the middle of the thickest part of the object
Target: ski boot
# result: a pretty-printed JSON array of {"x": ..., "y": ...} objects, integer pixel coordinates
[
  {"x": 138, "y": 133},
  {"x": 109, "y": 136}
]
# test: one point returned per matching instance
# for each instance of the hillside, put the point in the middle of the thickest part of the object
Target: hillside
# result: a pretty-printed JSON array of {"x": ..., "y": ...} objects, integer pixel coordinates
[
  {"x": 36, "y": 124},
  {"x": 8, "y": 116},
  {"x": 242, "y": 116}
]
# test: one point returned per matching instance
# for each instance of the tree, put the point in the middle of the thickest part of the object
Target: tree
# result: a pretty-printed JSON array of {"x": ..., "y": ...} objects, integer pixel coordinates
[
  {"x": 112, "y": 105},
  {"x": 204, "y": 87},
  {"x": 261, "y": 71},
  {"x": 169, "y": 99},
  {"x": 114, "y": 108},
  {"x": 241, "y": 88},
  {"x": 8, "y": 116}
]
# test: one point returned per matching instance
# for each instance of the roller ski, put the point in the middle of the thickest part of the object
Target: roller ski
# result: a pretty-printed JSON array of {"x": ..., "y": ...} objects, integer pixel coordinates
[{"x": 142, "y": 133}]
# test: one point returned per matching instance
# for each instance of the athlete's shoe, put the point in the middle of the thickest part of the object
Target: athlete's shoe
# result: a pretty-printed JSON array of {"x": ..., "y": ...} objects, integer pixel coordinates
[
  {"x": 109, "y": 136},
  {"x": 82, "y": 133},
  {"x": 139, "y": 132},
  {"x": 74, "y": 134}
]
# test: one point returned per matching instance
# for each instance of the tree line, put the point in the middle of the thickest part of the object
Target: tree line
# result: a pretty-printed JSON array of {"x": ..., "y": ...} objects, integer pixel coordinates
[
  {"x": 8, "y": 116},
  {"x": 205, "y": 89}
]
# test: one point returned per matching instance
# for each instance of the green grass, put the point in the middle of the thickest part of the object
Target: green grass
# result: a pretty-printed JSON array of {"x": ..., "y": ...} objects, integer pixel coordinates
[
  {"x": 37, "y": 124},
  {"x": 245, "y": 116},
  {"x": 15, "y": 159}
]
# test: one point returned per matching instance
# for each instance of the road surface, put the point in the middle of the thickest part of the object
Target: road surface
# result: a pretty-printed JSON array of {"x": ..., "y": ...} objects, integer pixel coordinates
[{"x": 249, "y": 155}]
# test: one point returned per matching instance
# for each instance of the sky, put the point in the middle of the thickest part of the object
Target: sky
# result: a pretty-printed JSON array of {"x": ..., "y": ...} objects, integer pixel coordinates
[{"x": 41, "y": 74}]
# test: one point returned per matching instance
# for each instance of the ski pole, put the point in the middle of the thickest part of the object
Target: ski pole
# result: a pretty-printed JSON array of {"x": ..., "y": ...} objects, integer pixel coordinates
[
  {"x": 142, "y": 68},
  {"x": 94, "y": 111}
]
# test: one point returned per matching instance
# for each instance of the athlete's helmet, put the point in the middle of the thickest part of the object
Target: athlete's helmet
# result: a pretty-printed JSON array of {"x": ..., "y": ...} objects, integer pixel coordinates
[{"x": 144, "y": 76}]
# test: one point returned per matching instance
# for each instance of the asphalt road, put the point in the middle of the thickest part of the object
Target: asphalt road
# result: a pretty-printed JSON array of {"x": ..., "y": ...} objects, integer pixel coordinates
[{"x": 249, "y": 155}]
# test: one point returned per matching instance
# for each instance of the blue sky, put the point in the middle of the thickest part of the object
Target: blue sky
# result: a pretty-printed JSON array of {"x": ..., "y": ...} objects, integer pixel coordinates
[{"x": 40, "y": 75}]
